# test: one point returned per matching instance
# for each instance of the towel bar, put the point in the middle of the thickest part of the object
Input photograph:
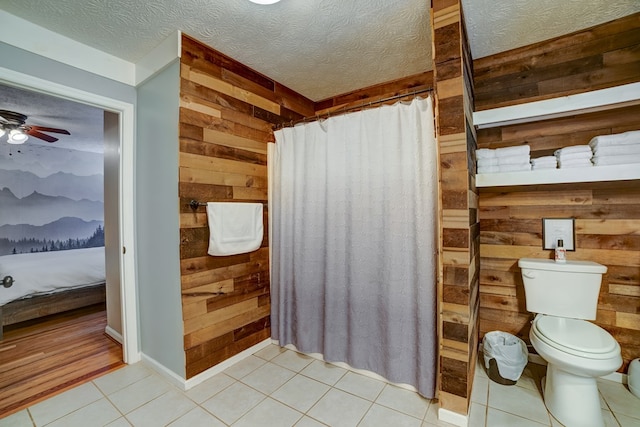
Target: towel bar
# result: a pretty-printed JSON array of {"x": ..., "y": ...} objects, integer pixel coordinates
[{"x": 194, "y": 204}]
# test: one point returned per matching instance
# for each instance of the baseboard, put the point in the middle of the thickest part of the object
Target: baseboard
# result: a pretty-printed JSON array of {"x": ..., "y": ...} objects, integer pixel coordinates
[
  {"x": 215, "y": 370},
  {"x": 183, "y": 384},
  {"x": 113, "y": 334},
  {"x": 453, "y": 417}
]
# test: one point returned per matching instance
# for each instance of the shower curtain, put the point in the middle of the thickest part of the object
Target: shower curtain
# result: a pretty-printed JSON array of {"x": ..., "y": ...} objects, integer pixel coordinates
[{"x": 354, "y": 240}]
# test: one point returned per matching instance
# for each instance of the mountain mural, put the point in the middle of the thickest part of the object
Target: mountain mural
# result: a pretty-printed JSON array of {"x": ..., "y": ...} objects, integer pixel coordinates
[
  {"x": 40, "y": 209},
  {"x": 61, "y": 229},
  {"x": 22, "y": 183}
]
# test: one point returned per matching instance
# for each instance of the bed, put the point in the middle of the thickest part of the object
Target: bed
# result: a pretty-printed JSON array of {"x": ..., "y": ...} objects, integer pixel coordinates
[{"x": 46, "y": 283}]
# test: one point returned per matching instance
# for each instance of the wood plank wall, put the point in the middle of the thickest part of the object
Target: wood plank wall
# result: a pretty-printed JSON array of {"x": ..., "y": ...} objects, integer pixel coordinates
[
  {"x": 458, "y": 288},
  {"x": 607, "y": 214},
  {"x": 596, "y": 58},
  {"x": 226, "y": 115}
]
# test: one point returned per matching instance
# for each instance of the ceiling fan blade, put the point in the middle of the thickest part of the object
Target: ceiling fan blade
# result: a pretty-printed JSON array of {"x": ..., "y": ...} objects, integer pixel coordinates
[
  {"x": 53, "y": 130},
  {"x": 41, "y": 135}
]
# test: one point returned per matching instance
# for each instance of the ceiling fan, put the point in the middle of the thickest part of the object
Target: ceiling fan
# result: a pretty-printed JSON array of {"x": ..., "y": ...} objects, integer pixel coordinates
[{"x": 14, "y": 124}]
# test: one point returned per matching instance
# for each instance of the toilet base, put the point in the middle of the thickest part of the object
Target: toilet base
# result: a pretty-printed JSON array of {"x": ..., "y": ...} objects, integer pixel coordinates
[{"x": 571, "y": 399}]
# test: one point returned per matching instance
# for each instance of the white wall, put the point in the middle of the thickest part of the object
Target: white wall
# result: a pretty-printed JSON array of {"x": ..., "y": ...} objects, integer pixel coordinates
[{"x": 157, "y": 220}]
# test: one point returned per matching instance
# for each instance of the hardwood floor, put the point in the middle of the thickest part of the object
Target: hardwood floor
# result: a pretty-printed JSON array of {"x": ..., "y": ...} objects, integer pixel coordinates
[{"x": 39, "y": 359}]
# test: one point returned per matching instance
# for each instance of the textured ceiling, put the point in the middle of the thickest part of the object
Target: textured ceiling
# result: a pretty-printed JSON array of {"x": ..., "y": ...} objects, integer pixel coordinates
[{"x": 319, "y": 48}]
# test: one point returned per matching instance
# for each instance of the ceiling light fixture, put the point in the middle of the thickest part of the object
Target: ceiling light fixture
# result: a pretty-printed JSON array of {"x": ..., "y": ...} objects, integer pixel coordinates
[
  {"x": 264, "y": 1},
  {"x": 16, "y": 136}
]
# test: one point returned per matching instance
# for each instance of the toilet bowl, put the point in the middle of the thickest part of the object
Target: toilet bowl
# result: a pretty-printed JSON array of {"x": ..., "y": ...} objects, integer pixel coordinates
[{"x": 577, "y": 351}]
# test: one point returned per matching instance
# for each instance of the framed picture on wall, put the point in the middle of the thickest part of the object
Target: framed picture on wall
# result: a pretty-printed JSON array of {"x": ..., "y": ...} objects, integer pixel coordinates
[{"x": 555, "y": 229}]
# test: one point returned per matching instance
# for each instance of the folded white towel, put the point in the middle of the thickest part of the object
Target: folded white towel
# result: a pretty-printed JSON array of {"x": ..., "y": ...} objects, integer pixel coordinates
[
  {"x": 546, "y": 160},
  {"x": 631, "y": 137},
  {"x": 505, "y": 168},
  {"x": 616, "y": 160},
  {"x": 574, "y": 162},
  {"x": 576, "y": 165},
  {"x": 573, "y": 156},
  {"x": 509, "y": 160},
  {"x": 485, "y": 153},
  {"x": 519, "y": 150},
  {"x": 234, "y": 228},
  {"x": 573, "y": 149},
  {"x": 617, "y": 150},
  {"x": 539, "y": 166}
]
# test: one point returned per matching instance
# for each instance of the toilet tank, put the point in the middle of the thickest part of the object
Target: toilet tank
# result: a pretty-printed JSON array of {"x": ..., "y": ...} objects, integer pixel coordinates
[{"x": 562, "y": 289}]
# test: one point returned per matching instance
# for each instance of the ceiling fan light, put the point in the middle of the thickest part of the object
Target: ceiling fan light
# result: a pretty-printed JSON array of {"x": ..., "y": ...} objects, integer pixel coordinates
[
  {"x": 264, "y": 1},
  {"x": 17, "y": 137}
]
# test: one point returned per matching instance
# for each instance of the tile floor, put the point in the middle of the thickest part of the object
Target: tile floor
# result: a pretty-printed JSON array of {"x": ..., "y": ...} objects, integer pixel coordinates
[{"x": 278, "y": 387}]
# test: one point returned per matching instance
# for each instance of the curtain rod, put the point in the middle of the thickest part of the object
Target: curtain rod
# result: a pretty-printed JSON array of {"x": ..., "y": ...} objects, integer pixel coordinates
[{"x": 344, "y": 110}]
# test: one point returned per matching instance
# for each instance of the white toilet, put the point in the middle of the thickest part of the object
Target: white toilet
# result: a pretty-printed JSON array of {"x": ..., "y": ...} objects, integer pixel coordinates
[{"x": 564, "y": 296}]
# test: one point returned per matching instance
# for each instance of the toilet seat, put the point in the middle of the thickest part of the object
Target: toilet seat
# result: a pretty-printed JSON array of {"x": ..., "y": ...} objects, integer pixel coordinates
[{"x": 576, "y": 337}]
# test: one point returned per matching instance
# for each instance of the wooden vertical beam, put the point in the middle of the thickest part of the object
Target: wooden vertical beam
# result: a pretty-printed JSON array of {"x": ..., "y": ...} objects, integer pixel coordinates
[{"x": 458, "y": 287}]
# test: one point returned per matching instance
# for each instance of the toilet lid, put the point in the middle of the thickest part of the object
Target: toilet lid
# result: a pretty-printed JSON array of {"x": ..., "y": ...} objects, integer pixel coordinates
[{"x": 576, "y": 334}]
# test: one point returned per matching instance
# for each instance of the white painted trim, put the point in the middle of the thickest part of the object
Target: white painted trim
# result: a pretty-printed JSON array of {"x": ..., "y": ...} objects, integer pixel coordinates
[
  {"x": 595, "y": 100},
  {"x": 453, "y": 417},
  {"x": 560, "y": 176},
  {"x": 164, "y": 54},
  {"x": 36, "y": 39},
  {"x": 534, "y": 358},
  {"x": 126, "y": 111},
  {"x": 113, "y": 334},
  {"x": 183, "y": 384}
]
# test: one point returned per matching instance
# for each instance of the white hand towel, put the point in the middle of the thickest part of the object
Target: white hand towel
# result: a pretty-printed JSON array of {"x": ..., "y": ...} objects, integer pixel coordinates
[
  {"x": 631, "y": 137},
  {"x": 546, "y": 160},
  {"x": 543, "y": 166},
  {"x": 574, "y": 162},
  {"x": 573, "y": 149},
  {"x": 498, "y": 161},
  {"x": 505, "y": 168},
  {"x": 617, "y": 150},
  {"x": 573, "y": 156},
  {"x": 485, "y": 153},
  {"x": 234, "y": 228},
  {"x": 616, "y": 160},
  {"x": 518, "y": 150}
]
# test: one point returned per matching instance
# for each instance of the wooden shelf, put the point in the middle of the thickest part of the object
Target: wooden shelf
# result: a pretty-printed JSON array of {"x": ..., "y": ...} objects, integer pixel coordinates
[
  {"x": 560, "y": 176},
  {"x": 596, "y": 100}
]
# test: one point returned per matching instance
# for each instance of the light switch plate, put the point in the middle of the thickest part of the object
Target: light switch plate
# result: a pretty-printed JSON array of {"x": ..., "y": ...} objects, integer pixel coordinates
[{"x": 554, "y": 229}]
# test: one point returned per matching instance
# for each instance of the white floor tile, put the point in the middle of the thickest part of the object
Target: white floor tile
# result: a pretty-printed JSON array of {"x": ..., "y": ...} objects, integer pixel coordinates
[
  {"x": 162, "y": 410},
  {"x": 522, "y": 401},
  {"x": 300, "y": 392},
  {"x": 340, "y": 409},
  {"x": 619, "y": 399},
  {"x": 360, "y": 385},
  {"x": 120, "y": 422},
  {"x": 209, "y": 388},
  {"x": 626, "y": 421},
  {"x": 244, "y": 367},
  {"x": 233, "y": 402},
  {"x": 292, "y": 360},
  {"x": 269, "y": 352},
  {"x": 323, "y": 372},
  {"x": 64, "y": 403},
  {"x": 380, "y": 416},
  {"x": 269, "y": 413},
  {"x": 197, "y": 417},
  {"x": 477, "y": 415},
  {"x": 309, "y": 422},
  {"x": 268, "y": 378},
  {"x": 528, "y": 379},
  {"x": 137, "y": 394},
  {"x": 480, "y": 392},
  {"x": 121, "y": 378},
  {"x": 100, "y": 413},
  {"x": 19, "y": 419},
  {"x": 496, "y": 418},
  {"x": 402, "y": 400},
  {"x": 610, "y": 421}
]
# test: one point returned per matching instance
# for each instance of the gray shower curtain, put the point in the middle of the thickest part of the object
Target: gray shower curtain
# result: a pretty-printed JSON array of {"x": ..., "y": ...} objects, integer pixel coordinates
[{"x": 353, "y": 241}]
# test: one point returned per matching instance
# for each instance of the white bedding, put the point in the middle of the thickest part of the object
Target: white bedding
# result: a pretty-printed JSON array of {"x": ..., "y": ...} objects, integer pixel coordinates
[{"x": 49, "y": 272}]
